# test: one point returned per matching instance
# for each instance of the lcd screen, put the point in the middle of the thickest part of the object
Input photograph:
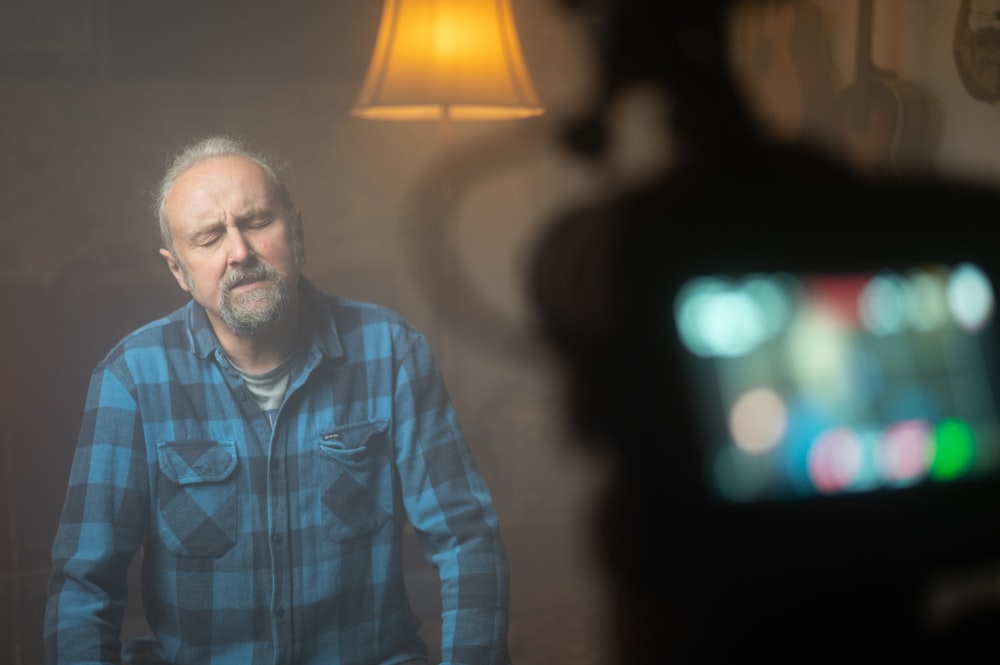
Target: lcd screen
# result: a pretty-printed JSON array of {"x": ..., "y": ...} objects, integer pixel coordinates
[{"x": 824, "y": 384}]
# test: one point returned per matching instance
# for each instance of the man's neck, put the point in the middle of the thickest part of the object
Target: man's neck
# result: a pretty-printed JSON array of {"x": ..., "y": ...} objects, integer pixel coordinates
[{"x": 262, "y": 351}]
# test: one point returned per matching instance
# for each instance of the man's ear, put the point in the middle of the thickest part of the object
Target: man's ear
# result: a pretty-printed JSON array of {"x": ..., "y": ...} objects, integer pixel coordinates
[{"x": 175, "y": 269}]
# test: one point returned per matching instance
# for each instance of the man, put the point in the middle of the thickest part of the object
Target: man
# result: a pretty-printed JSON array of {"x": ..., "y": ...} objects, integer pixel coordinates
[{"x": 264, "y": 445}]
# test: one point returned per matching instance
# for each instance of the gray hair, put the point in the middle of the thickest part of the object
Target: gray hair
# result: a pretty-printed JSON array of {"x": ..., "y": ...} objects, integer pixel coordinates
[{"x": 207, "y": 148}]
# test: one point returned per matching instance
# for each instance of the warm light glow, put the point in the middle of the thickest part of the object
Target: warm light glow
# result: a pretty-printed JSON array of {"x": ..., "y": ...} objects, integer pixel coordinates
[{"x": 447, "y": 59}]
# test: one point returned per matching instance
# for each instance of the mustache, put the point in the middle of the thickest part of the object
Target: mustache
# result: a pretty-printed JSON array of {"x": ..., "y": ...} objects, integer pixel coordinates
[{"x": 237, "y": 276}]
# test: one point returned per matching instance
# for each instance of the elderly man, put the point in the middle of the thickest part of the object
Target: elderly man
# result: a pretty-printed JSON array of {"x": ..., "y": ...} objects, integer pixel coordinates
[{"x": 265, "y": 445}]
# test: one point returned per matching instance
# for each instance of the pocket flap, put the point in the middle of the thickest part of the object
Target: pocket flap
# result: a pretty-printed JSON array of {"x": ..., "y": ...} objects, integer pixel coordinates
[
  {"x": 352, "y": 436},
  {"x": 188, "y": 462}
]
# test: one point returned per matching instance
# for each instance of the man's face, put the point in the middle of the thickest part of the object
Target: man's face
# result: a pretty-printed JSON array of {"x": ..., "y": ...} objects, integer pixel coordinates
[{"x": 237, "y": 248}]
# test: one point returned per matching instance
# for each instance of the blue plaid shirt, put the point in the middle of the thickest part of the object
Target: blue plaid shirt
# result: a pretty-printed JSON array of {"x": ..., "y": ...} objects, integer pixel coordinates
[{"x": 266, "y": 546}]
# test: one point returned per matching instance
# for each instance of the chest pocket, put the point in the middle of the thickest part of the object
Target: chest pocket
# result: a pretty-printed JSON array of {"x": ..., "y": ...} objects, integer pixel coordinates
[
  {"x": 355, "y": 467},
  {"x": 197, "y": 496}
]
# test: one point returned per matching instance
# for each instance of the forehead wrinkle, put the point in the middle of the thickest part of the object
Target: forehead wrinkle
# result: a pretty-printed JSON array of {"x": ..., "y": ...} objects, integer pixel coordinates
[{"x": 219, "y": 194}]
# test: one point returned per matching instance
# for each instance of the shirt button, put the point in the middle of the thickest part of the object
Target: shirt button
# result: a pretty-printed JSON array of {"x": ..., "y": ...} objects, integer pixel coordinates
[
  {"x": 276, "y": 463},
  {"x": 277, "y": 539},
  {"x": 279, "y": 612}
]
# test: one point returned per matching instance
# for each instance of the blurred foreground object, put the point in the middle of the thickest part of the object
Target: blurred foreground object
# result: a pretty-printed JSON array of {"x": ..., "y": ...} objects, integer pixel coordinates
[{"x": 783, "y": 528}]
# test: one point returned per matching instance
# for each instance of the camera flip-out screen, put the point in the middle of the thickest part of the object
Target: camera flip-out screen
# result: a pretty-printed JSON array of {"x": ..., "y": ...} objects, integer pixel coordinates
[{"x": 816, "y": 385}]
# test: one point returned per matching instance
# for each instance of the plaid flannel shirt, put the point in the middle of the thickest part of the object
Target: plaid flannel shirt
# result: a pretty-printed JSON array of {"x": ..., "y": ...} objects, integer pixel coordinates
[{"x": 264, "y": 546}]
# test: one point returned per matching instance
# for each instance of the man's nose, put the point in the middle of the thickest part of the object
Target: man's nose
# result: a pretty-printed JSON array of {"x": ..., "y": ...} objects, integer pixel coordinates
[{"x": 237, "y": 246}]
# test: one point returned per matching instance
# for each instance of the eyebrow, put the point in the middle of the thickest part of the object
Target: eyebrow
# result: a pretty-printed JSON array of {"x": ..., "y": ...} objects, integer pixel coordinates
[{"x": 254, "y": 213}]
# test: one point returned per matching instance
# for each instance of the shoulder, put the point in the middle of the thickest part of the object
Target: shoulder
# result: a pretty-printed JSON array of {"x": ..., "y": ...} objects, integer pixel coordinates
[
  {"x": 159, "y": 338},
  {"x": 364, "y": 330},
  {"x": 369, "y": 323},
  {"x": 346, "y": 315},
  {"x": 363, "y": 313}
]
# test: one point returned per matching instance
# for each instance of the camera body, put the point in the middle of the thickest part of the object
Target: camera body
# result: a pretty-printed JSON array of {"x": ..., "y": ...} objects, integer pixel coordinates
[{"x": 792, "y": 370}]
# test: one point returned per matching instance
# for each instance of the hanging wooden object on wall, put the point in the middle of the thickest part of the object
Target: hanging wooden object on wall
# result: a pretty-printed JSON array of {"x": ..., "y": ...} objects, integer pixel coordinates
[
  {"x": 890, "y": 123},
  {"x": 768, "y": 67},
  {"x": 976, "y": 47},
  {"x": 782, "y": 50}
]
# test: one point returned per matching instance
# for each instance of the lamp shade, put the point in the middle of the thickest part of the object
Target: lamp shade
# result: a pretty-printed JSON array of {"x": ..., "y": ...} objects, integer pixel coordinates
[{"x": 447, "y": 59}]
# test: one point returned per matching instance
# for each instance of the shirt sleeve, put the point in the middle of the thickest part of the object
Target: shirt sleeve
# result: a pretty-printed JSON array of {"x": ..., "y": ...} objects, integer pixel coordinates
[
  {"x": 100, "y": 529},
  {"x": 449, "y": 506}
]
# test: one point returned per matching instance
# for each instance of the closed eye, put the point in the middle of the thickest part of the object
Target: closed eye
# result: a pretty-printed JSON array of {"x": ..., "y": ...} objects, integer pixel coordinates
[
  {"x": 206, "y": 239},
  {"x": 258, "y": 222}
]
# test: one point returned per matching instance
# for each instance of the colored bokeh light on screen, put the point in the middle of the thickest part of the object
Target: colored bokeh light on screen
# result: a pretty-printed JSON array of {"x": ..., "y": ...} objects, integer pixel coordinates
[
  {"x": 970, "y": 297},
  {"x": 905, "y": 452},
  {"x": 758, "y": 420},
  {"x": 954, "y": 449},
  {"x": 719, "y": 318},
  {"x": 882, "y": 305},
  {"x": 835, "y": 460}
]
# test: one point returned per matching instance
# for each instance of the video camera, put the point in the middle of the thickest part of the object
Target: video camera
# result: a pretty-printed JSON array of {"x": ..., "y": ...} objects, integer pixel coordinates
[{"x": 792, "y": 369}]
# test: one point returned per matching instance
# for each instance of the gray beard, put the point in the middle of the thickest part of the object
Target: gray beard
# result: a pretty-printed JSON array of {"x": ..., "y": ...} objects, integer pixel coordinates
[{"x": 250, "y": 313}]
